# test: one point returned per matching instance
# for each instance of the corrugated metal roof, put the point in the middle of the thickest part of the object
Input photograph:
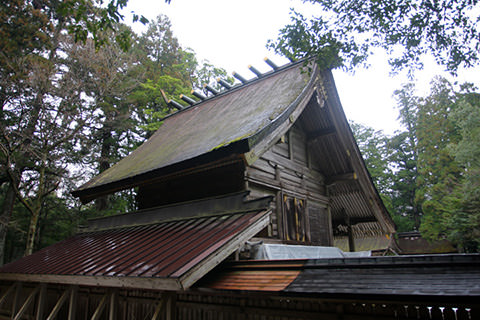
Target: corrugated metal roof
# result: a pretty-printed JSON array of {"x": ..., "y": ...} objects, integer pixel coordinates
[
  {"x": 233, "y": 118},
  {"x": 168, "y": 250},
  {"x": 424, "y": 277}
]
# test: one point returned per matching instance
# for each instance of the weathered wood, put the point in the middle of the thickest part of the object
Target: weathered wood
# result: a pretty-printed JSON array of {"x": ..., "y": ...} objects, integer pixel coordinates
[
  {"x": 26, "y": 304},
  {"x": 351, "y": 238},
  {"x": 282, "y": 148},
  {"x": 72, "y": 306},
  {"x": 294, "y": 166},
  {"x": 59, "y": 304},
  {"x": 353, "y": 220},
  {"x": 42, "y": 299},
  {"x": 315, "y": 135},
  {"x": 8, "y": 292},
  {"x": 170, "y": 306},
  {"x": 101, "y": 306},
  {"x": 16, "y": 298},
  {"x": 158, "y": 309},
  {"x": 114, "y": 282},
  {"x": 112, "y": 315},
  {"x": 342, "y": 178}
]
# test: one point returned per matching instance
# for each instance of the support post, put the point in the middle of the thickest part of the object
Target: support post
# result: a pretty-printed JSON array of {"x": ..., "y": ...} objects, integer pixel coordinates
[
  {"x": 26, "y": 304},
  {"x": 59, "y": 304},
  {"x": 170, "y": 306},
  {"x": 100, "y": 307},
  {"x": 72, "y": 307},
  {"x": 351, "y": 239},
  {"x": 16, "y": 299},
  {"x": 42, "y": 298},
  {"x": 113, "y": 305},
  {"x": 6, "y": 294}
]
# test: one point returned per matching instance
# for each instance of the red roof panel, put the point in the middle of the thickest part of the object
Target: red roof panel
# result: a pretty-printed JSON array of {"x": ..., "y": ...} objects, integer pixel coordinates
[{"x": 162, "y": 250}]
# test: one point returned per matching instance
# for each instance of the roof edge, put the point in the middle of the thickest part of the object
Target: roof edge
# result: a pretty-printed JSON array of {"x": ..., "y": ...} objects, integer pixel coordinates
[
  {"x": 219, "y": 254},
  {"x": 233, "y": 203},
  {"x": 171, "y": 284}
]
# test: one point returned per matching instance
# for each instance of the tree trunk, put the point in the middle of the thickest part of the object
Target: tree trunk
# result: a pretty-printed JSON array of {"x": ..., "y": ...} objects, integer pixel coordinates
[
  {"x": 32, "y": 232},
  {"x": 102, "y": 203},
  {"x": 5, "y": 216}
]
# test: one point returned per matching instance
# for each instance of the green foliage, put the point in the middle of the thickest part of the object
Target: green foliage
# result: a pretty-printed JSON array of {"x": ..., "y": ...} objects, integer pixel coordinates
[
  {"x": 347, "y": 31},
  {"x": 403, "y": 156},
  {"x": 70, "y": 109},
  {"x": 373, "y": 146},
  {"x": 437, "y": 170}
]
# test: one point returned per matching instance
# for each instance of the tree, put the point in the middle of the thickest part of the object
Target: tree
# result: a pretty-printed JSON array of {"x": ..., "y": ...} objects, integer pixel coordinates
[
  {"x": 439, "y": 175},
  {"x": 403, "y": 156},
  {"x": 373, "y": 146},
  {"x": 465, "y": 222},
  {"x": 347, "y": 31}
]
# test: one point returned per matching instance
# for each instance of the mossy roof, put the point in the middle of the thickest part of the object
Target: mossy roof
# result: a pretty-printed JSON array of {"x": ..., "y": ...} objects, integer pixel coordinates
[{"x": 230, "y": 122}]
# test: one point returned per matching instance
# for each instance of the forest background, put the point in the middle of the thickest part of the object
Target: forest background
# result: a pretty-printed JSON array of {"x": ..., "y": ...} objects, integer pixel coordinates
[{"x": 79, "y": 90}]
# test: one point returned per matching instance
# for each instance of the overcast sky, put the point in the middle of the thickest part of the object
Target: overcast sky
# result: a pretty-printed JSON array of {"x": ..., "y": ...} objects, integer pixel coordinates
[{"x": 233, "y": 34}]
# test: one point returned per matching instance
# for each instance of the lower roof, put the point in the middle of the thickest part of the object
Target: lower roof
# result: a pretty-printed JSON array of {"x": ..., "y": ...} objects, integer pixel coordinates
[
  {"x": 423, "y": 277},
  {"x": 168, "y": 255}
]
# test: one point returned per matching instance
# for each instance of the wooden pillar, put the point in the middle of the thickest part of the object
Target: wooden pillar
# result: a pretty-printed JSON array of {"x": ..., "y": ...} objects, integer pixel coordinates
[
  {"x": 351, "y": 239},
  {"x": 42, "y": 299},
  {"x": 72, "y": 306},
  {"x": 170, "y": 306},
  {"x": 113, "y": 305},
  {"x": 16, "y": 298}
]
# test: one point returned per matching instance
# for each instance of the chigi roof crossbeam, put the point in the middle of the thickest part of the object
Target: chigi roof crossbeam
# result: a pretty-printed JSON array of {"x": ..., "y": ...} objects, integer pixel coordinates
[{"x": 225, "y": 84}]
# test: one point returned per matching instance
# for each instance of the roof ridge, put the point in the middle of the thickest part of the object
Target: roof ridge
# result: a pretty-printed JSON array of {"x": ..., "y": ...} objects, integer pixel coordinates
[{"x": 245, "y": 82}]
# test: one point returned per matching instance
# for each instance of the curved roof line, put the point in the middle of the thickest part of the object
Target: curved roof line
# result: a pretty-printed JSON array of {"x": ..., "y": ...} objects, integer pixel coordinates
[{"x": 224, "y": 126}]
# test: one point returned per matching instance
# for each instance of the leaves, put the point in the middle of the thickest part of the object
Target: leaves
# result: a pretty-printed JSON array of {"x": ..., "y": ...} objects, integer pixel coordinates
[{"x": 347, "y": 31}]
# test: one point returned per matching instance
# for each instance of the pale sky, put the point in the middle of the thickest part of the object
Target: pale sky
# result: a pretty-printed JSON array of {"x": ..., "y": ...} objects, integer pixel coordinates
[{"x": 233, "y": 34}]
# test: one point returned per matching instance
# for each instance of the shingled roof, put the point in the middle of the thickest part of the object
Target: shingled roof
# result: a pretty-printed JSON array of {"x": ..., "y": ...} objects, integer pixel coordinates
[{"x": 229, "y": 123}]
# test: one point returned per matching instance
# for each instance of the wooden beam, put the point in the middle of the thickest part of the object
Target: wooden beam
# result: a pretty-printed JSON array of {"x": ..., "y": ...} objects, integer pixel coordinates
[
  {"x": 170, "y": 306},
  {"x": 315, "y": 135},
  {"x": 115, "y": 282},
  {"x": 27, "y": 303},
  {"x": 7, "y": 293},
  {"x": 59, "y": 304},
  {"x": 100, "y": 307},
  {"x": 158, "y": 310},
  {"x": 354, "y": 220},
  {"x": 351, "y": 239},
  {"x": 42, "y": 299},
  {"x": 112, "y": 315},
  {"x": 16, "y": 299},
  {"x": 341, "y": 178},
  {"x": 72, "y": 307}
]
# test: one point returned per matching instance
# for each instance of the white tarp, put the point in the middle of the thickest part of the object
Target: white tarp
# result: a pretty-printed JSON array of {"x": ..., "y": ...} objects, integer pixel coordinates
[{"x": 285, "y": 252}]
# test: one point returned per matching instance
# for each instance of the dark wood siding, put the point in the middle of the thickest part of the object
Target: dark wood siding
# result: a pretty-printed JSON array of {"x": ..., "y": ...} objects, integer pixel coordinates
[
  {"x": 288, "y": 170},
  {"x": 222, "y": 179}
]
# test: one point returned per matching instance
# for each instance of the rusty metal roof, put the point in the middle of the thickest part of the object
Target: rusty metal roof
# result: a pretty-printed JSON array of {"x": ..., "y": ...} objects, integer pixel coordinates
[
  {"x": 230, "y": 123},
  {"x": 438, "y": 276},
  {"x": 169, "y": 255}
]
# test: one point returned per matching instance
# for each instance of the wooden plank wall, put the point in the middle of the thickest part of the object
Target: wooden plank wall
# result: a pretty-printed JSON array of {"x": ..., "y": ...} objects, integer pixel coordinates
[{"x": 289, "y": 169}]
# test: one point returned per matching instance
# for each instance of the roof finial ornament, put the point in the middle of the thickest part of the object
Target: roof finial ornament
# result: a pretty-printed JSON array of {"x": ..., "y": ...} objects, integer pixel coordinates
[
  {"x": 270, "y": 63},
  {"x": 198, "y": 95},
  {"x": 187, "y": 99},
  {"x": 224, "y": 83},
  {"x": 254, "y": 70},
  {"x": 170, "y": 102},
  {"x": 175, "y": 104},
  {"x": 210, "y": 89},
  {"x": 239, "y": 77}
]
